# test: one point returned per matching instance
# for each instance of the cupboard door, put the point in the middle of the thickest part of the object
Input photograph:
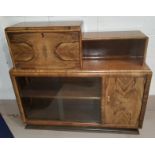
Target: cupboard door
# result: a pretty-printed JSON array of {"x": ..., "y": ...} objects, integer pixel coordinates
[{"x": 123, "y": 101}]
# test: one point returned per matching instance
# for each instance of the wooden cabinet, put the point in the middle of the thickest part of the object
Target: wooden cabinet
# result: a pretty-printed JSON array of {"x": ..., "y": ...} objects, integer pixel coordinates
[{"x": 95, "y": 81}]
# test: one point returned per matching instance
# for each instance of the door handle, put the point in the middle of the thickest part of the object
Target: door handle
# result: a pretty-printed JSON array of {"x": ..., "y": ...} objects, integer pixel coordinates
[{"x": 108, "y": 98}]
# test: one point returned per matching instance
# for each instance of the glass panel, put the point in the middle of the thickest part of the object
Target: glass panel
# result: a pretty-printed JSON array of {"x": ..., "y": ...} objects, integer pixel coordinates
[
  {"x": 58, "y": 98},
  {"x": 82, "y": 110},
  {"x": 41, "y": 109}
]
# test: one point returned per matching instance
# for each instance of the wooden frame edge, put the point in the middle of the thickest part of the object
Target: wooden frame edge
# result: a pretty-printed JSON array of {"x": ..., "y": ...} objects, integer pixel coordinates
[
  {"x": 18, "y": 99},
  {"x": 145, "y": 99}
]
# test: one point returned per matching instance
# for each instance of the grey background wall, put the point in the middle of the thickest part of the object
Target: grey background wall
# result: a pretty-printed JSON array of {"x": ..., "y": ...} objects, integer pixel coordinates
[{"x": 145, "y": 24}]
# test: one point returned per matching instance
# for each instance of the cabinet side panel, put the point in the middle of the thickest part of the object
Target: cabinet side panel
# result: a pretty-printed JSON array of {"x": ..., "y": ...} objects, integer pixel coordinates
[
  {"x": 18, "y": 99},
  {"x": 123, "y": 100},
  {"x": 145, "y": 98}
]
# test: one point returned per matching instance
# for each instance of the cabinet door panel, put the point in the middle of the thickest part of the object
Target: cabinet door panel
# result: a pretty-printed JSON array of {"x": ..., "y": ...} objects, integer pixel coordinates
[
  {"x": 45, "y": 50},
  {"x": 123, "y": 100}
]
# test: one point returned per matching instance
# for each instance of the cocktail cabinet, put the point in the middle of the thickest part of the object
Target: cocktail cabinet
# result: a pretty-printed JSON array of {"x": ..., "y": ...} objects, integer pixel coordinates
[{"x": 65, "y": 78}]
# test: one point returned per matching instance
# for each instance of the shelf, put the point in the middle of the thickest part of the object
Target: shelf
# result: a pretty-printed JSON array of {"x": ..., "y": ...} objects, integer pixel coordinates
[
  {"x": 66, "y": 91},
  {"x": 113, "y": 64},
  {"x": 117, "y": 45}
]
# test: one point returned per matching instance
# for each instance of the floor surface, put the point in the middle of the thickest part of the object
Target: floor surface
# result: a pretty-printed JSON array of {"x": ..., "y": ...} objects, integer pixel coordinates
[{"x": 9, "y": 110}]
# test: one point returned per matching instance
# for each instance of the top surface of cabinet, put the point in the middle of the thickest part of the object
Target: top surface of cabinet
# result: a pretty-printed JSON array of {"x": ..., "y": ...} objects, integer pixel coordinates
[
  {"x": 31, "y": 26},
  {"x": 114, "y": 35}
]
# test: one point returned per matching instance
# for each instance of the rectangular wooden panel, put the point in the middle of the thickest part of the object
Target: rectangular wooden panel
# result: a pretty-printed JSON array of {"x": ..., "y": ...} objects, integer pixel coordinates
[
  {"x": 123, "y": 100},
  {"x": 53, "y": 50}
]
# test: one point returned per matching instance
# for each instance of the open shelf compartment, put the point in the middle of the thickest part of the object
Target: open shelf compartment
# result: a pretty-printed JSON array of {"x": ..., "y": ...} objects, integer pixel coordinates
[{"x": 104, "y": 46}]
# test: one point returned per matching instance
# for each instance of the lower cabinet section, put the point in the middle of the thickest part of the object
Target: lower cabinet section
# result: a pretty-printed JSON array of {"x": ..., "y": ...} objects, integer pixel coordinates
[{"x": 106, "y": 101}]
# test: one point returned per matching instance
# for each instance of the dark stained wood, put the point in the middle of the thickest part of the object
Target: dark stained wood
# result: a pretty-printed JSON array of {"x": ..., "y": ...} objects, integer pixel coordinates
[
  {"x": 60, "y": 50},
  {"x": 130, "y": 48},
  {"x": 87, "y": 129}
]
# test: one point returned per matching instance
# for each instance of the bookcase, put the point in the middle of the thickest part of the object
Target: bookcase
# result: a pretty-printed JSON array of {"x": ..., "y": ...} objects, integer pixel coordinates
[{"x": 66, "y": 78}]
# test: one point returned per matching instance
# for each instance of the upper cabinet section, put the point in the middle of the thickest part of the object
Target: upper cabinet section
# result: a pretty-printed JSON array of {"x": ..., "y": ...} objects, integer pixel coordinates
[
  {"x": 61, "y": 45},
  {"x": 123, "y": 45},
  {"x": 38, "y": 45}
]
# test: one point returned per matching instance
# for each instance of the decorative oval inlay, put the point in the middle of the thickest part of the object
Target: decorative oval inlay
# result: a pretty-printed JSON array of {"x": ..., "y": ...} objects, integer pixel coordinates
[
  {"x": 67, "y": 51},
  {"x": 22, "y": 52}
]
